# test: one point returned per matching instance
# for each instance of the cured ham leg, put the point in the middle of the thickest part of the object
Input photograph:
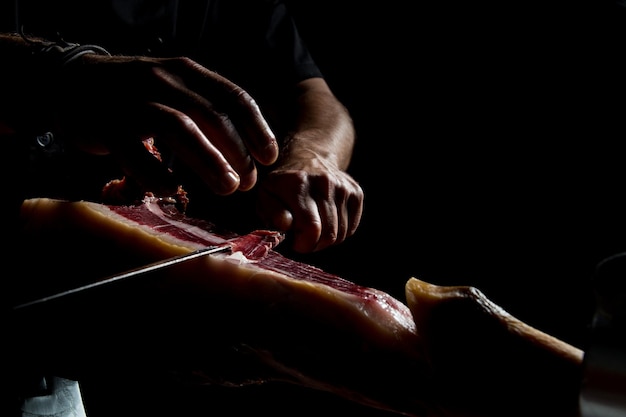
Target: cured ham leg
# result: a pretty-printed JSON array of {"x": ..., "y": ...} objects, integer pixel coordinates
[
  {"x": 488, "y": 363},
  {"x": 254, "y": 316}
]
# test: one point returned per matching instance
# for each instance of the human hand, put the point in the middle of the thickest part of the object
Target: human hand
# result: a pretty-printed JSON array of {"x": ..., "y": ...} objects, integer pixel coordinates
[
  {"x": 318, "y": 203},
  {"x": 109, "y": 105}
]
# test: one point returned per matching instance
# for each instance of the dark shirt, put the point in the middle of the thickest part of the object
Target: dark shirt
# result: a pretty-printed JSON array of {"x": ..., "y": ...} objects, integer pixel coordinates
[{"x": 255, "y": 43}]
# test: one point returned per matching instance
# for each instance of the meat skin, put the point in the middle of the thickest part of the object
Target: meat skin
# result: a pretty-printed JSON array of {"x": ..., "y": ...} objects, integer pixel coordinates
[
  {"x": 489, "y": 363},
  {"x": 448, "y": 352}
]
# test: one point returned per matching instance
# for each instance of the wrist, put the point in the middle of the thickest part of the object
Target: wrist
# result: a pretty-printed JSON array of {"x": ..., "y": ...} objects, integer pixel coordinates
[{"x": 41, "y": 79}]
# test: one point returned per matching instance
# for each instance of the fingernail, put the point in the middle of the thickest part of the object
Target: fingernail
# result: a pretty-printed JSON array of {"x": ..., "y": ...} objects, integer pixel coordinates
[
  {"x": 272, "y": 149},
  {"x": 230, "y": 182}
]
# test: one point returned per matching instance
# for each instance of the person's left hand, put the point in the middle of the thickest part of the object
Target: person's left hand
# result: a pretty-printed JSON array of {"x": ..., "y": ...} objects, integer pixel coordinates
[{"x": 317, "y": 203}]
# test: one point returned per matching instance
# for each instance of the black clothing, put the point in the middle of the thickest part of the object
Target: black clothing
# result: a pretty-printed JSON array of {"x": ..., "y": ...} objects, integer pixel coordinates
[{"x": 252, "y": 42}]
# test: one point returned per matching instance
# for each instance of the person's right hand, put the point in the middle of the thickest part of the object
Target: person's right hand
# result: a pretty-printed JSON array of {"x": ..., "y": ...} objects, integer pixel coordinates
[{"x": 110, "y": 105}]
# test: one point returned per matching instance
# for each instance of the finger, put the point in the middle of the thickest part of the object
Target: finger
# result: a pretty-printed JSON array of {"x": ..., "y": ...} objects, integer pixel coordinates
[
  {"x": 292, "y": 192},
  {"x": 329, "y": 234},
  {"x": 194, "y": 149},
  {"x": 323, "y": 194},
  {"x": 256, "y": 132},
  {"x": 215, "y": 124},
  {"x": 273, "y": 212},
  {"x": 230, "y": 99},
  {"x": 307, "y": 224},
  {"x": 340, "y": 206},
  {"x": 343, "y": 219},
  {"x": 354, "y": 208},
  {"x": 224, "y": 137},
  {"x": 306, "y": 233}
]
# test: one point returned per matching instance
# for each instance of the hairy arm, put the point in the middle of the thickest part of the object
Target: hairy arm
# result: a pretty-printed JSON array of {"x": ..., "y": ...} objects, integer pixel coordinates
[
  {"x": 309, "y": 193},
  {"x": 323, "y": 126}
]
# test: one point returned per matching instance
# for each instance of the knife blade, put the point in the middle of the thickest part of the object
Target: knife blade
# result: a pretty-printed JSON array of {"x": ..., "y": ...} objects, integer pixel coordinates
[{"x": 165, "y": 263}]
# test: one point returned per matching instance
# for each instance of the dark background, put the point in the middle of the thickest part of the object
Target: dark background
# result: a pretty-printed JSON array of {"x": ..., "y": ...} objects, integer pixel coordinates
[
  {"x": 488, "y": 138},
  {"x": 488, "y": 148}
]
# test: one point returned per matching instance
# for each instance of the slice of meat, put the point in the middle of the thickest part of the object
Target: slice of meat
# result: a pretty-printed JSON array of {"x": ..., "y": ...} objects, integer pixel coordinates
[{"x": 255, "y": 316}]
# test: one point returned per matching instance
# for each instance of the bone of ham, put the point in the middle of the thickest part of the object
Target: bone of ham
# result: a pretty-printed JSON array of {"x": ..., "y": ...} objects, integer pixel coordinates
[{"x": 448, "y": 352}]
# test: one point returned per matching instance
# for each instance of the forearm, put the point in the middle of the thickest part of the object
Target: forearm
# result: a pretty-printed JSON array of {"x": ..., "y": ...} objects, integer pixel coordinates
[{"x": 322, "y": 126}]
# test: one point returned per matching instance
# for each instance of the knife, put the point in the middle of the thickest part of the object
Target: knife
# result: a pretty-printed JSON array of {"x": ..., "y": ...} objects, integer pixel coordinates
[{"x": 165, "y": 263}]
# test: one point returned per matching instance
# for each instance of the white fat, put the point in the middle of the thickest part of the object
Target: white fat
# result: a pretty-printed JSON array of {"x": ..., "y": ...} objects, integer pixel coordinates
[{"x": 237, "y": 258}]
